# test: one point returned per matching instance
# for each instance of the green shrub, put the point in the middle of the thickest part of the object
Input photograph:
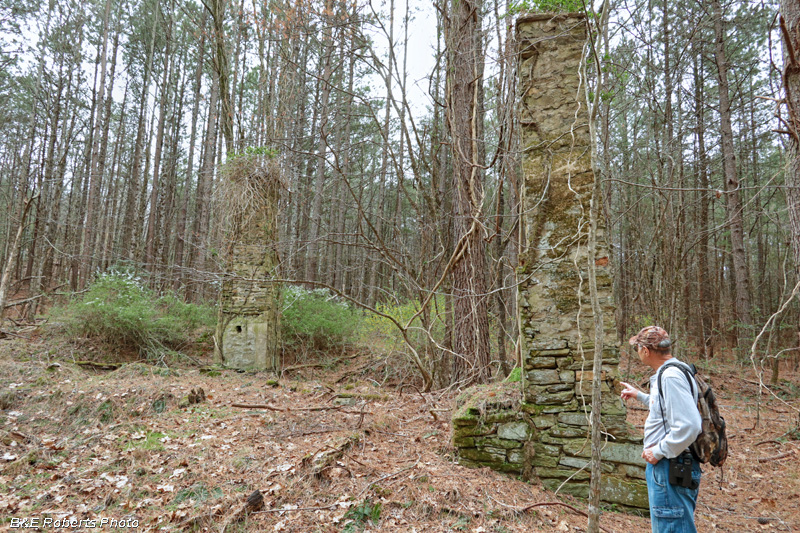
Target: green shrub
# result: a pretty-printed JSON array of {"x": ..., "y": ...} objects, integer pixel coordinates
[
  {"x": 317, "y": 319},
  {"x": 120, "y": 311}
]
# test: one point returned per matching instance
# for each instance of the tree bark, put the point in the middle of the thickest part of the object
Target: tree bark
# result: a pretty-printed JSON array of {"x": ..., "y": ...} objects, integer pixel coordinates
[
  {"x": 464, "y": 85},
  {"x": 13, "y": 252},
  {"x": 790, "y": 30},
  {"x": 733, "y": 196}
]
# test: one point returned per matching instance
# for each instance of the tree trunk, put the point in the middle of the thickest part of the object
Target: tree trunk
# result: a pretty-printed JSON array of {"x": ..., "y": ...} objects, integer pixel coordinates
[
  {"x": 182, "y": 235},
  {"x": 154, "y": 217},
  {"x": 322, "y": 146},
  {"x": 464, "y": 85},
  {"x": 13, "y": 252},
  {"x": 96, "y": 167},
  {"x": 733, "y": 194},
  {"x": 221, "y": 69},
  {"x": 790, "y": 29}
]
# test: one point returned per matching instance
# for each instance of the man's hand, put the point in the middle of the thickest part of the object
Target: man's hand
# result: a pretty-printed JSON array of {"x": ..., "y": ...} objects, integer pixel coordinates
[
  {"x": 628, "y": 392},
  {"x": 648, "y": 456}
]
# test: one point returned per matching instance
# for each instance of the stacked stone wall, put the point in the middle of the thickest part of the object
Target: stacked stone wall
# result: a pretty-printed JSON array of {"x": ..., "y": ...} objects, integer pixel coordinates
[
  {"x": 248, "y": 327},
  {"x": 555, "y": 316}
]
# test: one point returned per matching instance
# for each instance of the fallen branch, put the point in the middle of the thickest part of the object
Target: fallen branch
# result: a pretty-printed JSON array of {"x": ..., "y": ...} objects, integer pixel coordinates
[
  {"x": 768, "y": 442},
  {"x": 309, "y": 365},
  {"x": 289, "y": 409},
  {"x": 98, "y": 366},
  {"x": 4, "y": 333},
  {"x": 257, "y": 406},
  {"x": 26, "y": 300},
  {"x": 775, "y": 457},
  {"x": 543, "y": 504}
]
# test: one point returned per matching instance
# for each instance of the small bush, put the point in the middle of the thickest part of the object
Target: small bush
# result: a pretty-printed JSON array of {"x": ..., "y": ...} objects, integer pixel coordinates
[
  {"x": 119, "y": 311},
  {"x": 316, "y": 319}
]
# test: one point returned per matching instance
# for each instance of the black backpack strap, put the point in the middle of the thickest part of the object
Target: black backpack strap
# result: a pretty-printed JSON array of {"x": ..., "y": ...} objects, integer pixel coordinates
[{"x": 687, "y": 372}]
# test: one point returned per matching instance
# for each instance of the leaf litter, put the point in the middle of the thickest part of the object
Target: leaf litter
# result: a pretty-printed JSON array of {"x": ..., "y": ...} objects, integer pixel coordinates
[{"x": 83, "y": 444}]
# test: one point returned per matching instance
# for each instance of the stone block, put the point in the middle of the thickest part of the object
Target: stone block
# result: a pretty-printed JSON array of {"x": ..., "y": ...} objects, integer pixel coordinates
[
  {"x": 579, "y": 490},
  {"x": 569, "y": 406},
  {"x": 615, "y": 425},
  {"x": 554, "y": 398},
  {"x": 636, "y": 472},
  {"x": 464, "y": 442},
  {"x": 484, "y": 455},
  {"x": 562, "y": 473},
  {"x": 625, "y": 492},
  {"x": 573, "y": 419},
  {"x": 588, "y": 375},
  {"x": 542, "y": 454},
  {"x": 585, "y": 387},
  {"x": 469, "y": 464},
  {"x": 509, "y": 468},
  {"x": 549, "y": 346},
  {"x": 547, "y": 438},
  {"x": 566, "y": 376},
  {"x": 560, "y": 387},
  {"x": 541, "y": 362},
  {"x": 543, "y": 377},
  {"x": 613, "y": 452},
  {"x": 517, "y": 431},
  {"x": 565, "y": 362},
  {"x": 612, "y": 490},
  {"x": 494, "y": 442},
  {"x": 516, "y": 456},
  {"x": 543, "y": 421},
  {"x": 500, "y": 416},
  {"x": 558, "y": 352},
  {"x": 567, "y": 432},
  {"x": 479, "y": 430},
  {"x": 612, "y": 406},
  {"x": 575, "y": 462}
]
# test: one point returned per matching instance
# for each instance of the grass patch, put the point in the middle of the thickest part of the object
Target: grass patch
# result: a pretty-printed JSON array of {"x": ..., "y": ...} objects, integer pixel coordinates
[
  {"x": 151, "y": 441},
  {"x": 197, "y": 492}
]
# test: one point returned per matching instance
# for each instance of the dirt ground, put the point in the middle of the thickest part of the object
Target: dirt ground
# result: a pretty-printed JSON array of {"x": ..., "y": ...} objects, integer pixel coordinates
[{"x": 329, "y": 450}]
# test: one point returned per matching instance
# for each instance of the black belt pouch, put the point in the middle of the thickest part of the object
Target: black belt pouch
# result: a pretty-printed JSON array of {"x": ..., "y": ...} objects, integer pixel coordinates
[{"x": 680, "y": 471}]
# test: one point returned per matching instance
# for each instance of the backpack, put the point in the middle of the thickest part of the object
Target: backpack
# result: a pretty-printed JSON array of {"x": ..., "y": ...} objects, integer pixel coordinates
[{"x": 711, "y": 446}]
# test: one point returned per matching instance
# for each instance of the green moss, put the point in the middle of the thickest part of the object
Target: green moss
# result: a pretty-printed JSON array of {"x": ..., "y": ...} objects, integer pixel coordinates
[
  {"x": 515, "y": 376},
  {"x": 532, "y": 408}
]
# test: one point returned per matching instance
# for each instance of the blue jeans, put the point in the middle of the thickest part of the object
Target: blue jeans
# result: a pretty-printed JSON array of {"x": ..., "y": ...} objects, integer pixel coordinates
[{"x": 671, "y": 507}]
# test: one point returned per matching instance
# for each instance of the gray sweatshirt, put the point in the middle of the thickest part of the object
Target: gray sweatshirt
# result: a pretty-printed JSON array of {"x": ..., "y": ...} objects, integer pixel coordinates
[{"x": 683, "y": 422}]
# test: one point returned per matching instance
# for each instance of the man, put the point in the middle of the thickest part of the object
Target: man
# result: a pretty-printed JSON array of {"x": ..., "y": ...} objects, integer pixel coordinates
[{"x": 671, "y": 427}]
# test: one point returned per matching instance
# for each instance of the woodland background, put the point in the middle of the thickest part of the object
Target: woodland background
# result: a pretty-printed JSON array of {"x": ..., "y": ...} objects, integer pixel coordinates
[{"x": 118, "y": 117}]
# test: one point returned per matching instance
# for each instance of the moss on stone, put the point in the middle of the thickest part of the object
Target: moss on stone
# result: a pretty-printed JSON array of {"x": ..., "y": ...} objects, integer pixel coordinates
[
  {"x": 494, "y": 442},
  {"x": 562, "y": 473},
  {"x": 485, "y": 456}
]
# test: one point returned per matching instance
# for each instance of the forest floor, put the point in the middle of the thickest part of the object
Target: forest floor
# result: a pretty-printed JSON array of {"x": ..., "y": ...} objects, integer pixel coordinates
[{"x": 330, "y": 450}]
